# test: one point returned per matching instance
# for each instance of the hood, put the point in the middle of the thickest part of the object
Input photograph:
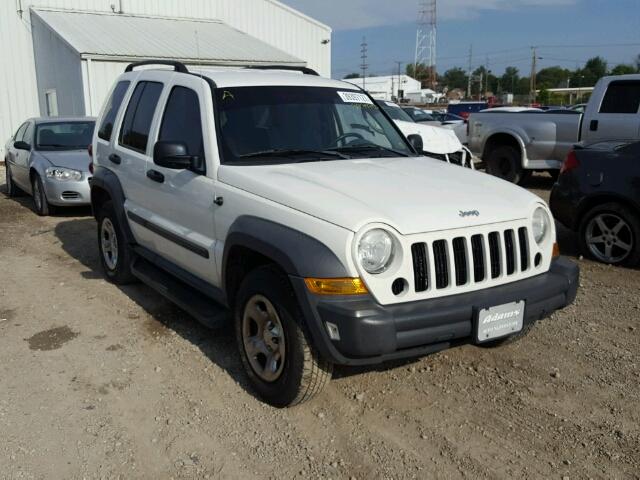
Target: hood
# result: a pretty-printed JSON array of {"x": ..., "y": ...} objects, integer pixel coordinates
[
  {"x": 435, "y": 139},
  {"x": 410, "y": 194},
  {"x": 75, "y": 159}
]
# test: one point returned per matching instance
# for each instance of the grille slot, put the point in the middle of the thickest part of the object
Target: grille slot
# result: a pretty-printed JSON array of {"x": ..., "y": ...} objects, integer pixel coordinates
[
  {"x": 494, "y": 253},
  {"x": 510, "y": 251},
  {"x": 460, "y": 260},
  {"x": 441, "y": 263},
  {"x": 523, "y": 238},
  {"x": 420, "y": 271},
  {"x": 477, "y": 249},
  {"x": 69, "y": 195}
]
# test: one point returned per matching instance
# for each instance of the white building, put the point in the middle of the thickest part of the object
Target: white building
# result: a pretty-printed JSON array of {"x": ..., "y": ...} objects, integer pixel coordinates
[
  {"x": 60, "y": 57},
  {"x": 384, "y": 88}
]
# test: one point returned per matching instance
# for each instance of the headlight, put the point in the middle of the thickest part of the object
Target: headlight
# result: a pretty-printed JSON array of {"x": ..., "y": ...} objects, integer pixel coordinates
[
  {"x": 60, "y": 173},
  {"x": 375, "y": 250},
  {"x": 541, "y": 224}
]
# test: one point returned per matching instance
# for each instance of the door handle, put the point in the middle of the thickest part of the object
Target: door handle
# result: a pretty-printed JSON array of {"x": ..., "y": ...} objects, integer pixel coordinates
[
  {"x": 155, "y": 175},
  {"x": 593, "y": 126},
  {"x": 115, "y": 158}
]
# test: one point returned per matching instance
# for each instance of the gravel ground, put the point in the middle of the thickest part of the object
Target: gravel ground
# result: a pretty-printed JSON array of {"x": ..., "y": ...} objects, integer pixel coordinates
[{"x": 98, "y": 381}]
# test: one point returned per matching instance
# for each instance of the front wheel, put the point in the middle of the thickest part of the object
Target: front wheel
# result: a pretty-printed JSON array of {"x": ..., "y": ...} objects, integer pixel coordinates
[
  {"x": 505, "y": 162},
  {"x": 115, "y": 253},
  {"x": 610, "y": 233},
  {"x": 40, "y": 202},
  {"x": 274, "y": 343}
]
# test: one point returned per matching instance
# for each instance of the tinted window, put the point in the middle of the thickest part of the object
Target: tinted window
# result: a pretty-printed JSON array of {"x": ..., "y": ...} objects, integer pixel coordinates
[
  {"x": 64, "y": 135},
  {"x": 394, "y": 111},
  {"x": 112, "y": 109},
  {"x": 622, "y": 96},
  {"x": 181, "y": 120},
  {"x": 137, "y": 120}
]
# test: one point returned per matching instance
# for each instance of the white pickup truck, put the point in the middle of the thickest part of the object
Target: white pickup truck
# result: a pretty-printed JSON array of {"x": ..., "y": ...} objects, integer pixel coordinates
[{"x": 513, "y": 144}]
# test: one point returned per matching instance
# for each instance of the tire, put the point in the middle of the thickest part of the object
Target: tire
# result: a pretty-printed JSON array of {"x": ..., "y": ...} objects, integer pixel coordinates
[
  {"x": 40, "y": 203},
  {"x": 505, "y": 162},
  {"x": 266, "y": 310},
  {"x": 510, "y": 339},
  {"x": 598, "y": 235},
  {"x": 12, "y": 189},
  {"x": 116, "y": 254}
]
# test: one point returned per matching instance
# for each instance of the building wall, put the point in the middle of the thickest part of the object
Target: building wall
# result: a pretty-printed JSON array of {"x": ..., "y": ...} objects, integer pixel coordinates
[
  {"x": 268, "y": 20},
  {"x": 383, "y": 88}
]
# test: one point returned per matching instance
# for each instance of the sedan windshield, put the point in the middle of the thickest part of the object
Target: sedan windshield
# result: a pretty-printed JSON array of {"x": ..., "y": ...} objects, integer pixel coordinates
[
  {"x": 394, "y": 111},
  {"x": 64, "y": 135},
  {"x": 300, "y": 124}
]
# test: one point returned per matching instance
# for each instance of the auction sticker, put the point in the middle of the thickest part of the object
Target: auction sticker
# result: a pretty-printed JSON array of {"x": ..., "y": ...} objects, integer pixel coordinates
[{"x": 354, "y": 97}]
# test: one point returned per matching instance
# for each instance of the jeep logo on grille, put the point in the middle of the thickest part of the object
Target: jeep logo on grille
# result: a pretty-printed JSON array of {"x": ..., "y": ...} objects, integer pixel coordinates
[{"x": 469, "y": 213}]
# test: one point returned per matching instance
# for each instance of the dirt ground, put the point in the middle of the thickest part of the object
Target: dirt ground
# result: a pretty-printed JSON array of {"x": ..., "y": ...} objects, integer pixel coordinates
[{"x": 98, "y": 381}]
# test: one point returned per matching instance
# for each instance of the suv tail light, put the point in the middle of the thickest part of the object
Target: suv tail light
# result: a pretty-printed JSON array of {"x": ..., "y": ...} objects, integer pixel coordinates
[{"x": 570, "y": 162}]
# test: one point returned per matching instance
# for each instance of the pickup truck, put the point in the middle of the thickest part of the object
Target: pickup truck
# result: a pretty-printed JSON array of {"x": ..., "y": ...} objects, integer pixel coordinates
[{"x": 512, "y": 144}]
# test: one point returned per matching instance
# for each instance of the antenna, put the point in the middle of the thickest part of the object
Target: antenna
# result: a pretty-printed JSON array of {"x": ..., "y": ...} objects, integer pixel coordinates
[
  {"x": 426, "y": 41},
  {"x": 363, "y": 65}
]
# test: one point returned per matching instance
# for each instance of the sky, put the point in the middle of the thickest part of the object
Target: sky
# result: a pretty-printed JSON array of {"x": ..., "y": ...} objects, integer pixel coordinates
[{"x": 567, "y": 32}]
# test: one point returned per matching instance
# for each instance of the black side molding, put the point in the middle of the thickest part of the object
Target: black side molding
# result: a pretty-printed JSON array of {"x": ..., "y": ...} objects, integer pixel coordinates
[
  {"x": 172, "y": 237},
  {"x": 177, "y": 66}
]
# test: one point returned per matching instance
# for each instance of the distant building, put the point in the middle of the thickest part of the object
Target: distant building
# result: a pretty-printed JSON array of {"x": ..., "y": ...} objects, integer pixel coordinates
[{"x": 386, "y": 88}]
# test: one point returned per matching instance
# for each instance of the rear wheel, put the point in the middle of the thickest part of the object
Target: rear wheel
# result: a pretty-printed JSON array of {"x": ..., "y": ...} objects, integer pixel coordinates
[
  {"x": 274, "y": 343},
  {"x": 610, "y": 233},
  {"x": 115, "y": 253},
  {"x": 505, "y": 162},
  {"x": 40, "y": 202},
  {"x": 12, "y": 189}
]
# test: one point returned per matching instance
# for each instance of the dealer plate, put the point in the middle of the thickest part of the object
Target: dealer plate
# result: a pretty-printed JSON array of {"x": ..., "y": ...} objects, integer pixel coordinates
[{"x": 499, "y": 321}]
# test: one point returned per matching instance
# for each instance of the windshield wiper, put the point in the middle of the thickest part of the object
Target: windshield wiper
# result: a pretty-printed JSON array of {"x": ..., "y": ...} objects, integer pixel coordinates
[
  {"x": 293, "y": 152},
  {"x": 372, "y": 146}
]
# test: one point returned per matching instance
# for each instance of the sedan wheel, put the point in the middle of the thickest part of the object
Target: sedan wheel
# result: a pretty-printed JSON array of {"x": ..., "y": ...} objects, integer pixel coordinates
[{"x": 609, "y": 238}]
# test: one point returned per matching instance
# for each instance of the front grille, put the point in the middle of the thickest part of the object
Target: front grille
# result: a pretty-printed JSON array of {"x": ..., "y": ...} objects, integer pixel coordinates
[
  {"x": 68, "y": 195},
  {"x": 475, "y": 259}
]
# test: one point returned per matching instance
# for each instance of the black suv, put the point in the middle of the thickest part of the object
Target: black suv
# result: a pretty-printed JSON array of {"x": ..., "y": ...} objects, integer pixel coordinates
[{"x": 598, "y": 196}]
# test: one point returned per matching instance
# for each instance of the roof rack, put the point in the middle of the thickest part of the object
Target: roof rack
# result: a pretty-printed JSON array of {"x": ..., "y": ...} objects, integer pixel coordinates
[
  {"x": 177, "y": 66},
  {"x": 304, "y": 70}
]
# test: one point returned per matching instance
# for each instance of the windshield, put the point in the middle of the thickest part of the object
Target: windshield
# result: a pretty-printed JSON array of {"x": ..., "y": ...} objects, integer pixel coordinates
[
  {"x": 420, "y": 115},
  {"x": 282, "y": 124},
  {"x": 64, "y": 135},
  {"x": 394, "y": 111}
]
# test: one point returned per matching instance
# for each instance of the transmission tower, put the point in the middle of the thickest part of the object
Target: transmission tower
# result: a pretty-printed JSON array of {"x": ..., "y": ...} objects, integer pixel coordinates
[
  {"x": 426, "y": 40},
  {"x": 363, "y": 65}
]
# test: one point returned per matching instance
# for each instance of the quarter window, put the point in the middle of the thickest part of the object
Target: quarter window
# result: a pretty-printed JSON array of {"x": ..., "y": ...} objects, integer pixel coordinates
[
  {"x": 182, "y": 122},
  {"x": 28, "y": 134},
  {"x": 106, "y": 128},
  {"x": 623, "y": 96},
  {"x": 139, "y": 115},
  {"x": 18, "y": 136}
]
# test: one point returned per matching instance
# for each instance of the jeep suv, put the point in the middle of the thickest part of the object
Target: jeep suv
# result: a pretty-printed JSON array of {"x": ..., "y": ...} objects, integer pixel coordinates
[{"x": 292, "y": 206}]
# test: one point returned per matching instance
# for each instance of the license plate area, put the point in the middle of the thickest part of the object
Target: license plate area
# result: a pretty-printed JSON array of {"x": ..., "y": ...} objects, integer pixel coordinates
[{"x": 498, "y": 321}]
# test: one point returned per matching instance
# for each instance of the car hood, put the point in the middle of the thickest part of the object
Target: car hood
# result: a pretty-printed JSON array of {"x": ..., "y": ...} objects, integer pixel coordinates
[
  {"x": 75, "y": 159},
  {"x": 410, "y": 194},
  {"x": 435, "y": 139}
]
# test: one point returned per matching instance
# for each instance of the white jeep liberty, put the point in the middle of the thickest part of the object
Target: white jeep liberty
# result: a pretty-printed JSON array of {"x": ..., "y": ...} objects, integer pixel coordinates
[{"x": 294, "y": 202}]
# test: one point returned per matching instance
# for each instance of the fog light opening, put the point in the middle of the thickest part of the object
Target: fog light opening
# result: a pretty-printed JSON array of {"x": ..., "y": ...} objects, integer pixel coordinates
[
  {"x": 399, "y": 286},
  {"x": 332, "y": 329}
]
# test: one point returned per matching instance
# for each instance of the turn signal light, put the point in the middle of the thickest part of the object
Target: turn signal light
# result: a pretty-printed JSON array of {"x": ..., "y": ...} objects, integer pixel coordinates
[
  {"x": 570, "y": 162},
  {"x": 556, "y": 250},
  {"x": 336, "y": 286}
]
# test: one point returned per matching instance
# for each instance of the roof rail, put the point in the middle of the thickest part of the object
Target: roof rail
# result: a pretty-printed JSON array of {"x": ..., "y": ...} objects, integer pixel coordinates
[
  {"x": 304, "y": 70},
  {"x": 177, "y": 66}
]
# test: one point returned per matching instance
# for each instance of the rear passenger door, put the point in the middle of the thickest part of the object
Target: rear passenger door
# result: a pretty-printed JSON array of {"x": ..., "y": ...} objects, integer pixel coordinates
[
  {"x": 177, "y": 205},
  {"x": 618, "y": 115}
]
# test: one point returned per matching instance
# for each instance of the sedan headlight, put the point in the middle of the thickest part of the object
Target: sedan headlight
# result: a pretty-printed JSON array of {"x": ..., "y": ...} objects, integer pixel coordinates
[
  {"x": 63, "y": 174},
  {"x": 375, "y": 250},
  {"x": 541, "y": 224}
]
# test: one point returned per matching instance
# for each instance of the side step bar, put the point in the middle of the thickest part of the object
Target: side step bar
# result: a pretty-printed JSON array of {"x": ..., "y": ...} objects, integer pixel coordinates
[{"x": 206, "y": 311}]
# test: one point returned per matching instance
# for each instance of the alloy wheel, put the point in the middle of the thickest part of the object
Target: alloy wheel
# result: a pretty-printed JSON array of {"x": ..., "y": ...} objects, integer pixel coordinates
[
  {"x": 109, "y": 244},
  {"x": 609, "y": 238}
]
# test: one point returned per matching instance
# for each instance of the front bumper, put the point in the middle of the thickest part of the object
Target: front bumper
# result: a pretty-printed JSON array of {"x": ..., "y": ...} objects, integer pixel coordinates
[
  {"x": 69, "y": 193},
  {"x": 373, "y": 333}
]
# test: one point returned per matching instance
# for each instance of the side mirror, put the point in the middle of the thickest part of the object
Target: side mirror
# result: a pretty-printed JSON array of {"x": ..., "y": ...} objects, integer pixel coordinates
[
  {"x": 20, "y": 145},
  {"x": 174, "y": 155},
  {"x": 416, "y": 142}
]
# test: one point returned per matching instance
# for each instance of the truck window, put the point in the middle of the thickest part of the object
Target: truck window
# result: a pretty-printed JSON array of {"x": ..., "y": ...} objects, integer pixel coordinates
[
  {"x": 112, "y": 109},
  {"x": 182, "y": 122},
  {"x": 623, "y": 96},
  {"x": 136, "y": 124}
]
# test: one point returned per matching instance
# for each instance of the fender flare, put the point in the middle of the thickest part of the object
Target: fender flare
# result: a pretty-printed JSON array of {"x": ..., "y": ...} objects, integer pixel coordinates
[
  {"x": 516, "y": 135},
  {"x": 105, "y": 179}
]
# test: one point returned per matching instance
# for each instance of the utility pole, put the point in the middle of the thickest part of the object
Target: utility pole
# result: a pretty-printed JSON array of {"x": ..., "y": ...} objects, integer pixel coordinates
[
  {"x": 399, "y": 79},
  {"x": 469, "y": 71},
  {"x": 363, "y": 65},
  {"x": 532, "y": 80},
  {"x": 486, "y": 83}
]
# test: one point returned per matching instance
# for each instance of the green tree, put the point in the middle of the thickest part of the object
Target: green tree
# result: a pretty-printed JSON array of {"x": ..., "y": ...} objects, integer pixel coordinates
[
  {"x": 352, "y": 75},
  {"x": 543, "y": 96},
  {"x": 454, "y": 78},
  {"x": 552, "y": 77},
  {"x": 623, "y": 69},
  {"x": 421, "y": 72},
  {"x": 510, "y": 79},
  {"x": 593, "y": 70}
]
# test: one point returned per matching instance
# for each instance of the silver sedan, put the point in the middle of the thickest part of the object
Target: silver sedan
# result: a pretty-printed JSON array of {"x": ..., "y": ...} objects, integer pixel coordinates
[{"x": 47, "y": 158}]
